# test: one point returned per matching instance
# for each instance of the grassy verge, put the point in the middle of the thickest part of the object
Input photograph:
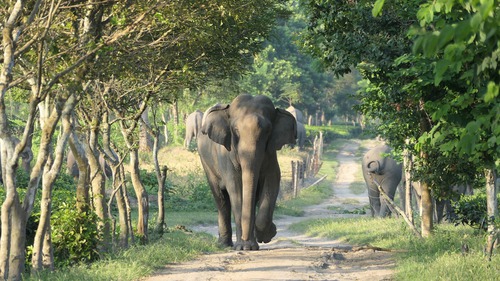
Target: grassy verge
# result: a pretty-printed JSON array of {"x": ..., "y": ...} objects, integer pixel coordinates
[
  {"x": 437, "y": 258},
  {"x": 139, "y": 261}
]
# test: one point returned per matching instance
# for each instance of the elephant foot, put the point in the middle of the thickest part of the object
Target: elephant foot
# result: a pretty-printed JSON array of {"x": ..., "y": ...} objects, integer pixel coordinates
[
  {"x": 246, "y": 246},
  {"x": 225, "y": 241},
  {"x": 265, "y": 236}
]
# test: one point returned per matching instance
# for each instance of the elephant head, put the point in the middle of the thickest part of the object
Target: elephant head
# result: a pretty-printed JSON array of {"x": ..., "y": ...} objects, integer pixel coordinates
[
  {"x": 249, "y": 131},
  {"x": 244, "y": 119}
]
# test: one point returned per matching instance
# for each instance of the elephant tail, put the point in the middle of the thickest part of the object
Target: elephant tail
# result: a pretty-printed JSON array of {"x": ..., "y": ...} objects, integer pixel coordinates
[{"x": 374, "y": 167}]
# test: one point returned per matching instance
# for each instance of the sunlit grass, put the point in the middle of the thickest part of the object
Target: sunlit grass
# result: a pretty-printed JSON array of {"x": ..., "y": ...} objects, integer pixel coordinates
[
  {"x": 307, "y": 197},
  {"x": 437, "y": 258},
  {"x": 140, "y": 261}
]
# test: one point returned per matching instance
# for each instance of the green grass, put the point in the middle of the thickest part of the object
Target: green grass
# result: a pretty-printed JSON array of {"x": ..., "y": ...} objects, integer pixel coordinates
[
  {"x": 307, "y": 197},
  {"x": 139, "y": 261},
  {"x": 357, "y": 187},
  {"x": 190, "y": 218},
  {"x": 436, "y": 258}
]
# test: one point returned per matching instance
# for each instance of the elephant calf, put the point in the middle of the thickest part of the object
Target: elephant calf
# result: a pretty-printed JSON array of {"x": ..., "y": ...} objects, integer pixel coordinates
[
  {"x": 193, "y": 126},
  {"x": 377, "y": 166}
]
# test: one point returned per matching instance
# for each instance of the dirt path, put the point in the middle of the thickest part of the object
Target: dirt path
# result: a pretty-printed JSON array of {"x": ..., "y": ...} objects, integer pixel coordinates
[{"x": 291, "y": 256}]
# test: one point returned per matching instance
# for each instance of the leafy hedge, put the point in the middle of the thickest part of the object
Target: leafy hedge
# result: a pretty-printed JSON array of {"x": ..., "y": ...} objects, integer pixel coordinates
[
  {"x": 471, "y": 210},
  {"x": 333, "y": 132}
]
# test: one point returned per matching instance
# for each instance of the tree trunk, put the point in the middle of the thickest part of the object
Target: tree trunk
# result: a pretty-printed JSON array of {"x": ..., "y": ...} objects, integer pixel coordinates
[
  {"x": 161, "y": 176},
  {"x": 82, "y": 186},
  {"x": 145, "y": 141},
  {"x": 408, "y": 167},
  {"x": 97, "y": 180},
  {"x": 51, "y": 170},
  {"x": 175, "y": 114},
  {"x": 492, "y": 209},
  {"x": 427, "y": 211},
  {"x": 142, "y": 197}
]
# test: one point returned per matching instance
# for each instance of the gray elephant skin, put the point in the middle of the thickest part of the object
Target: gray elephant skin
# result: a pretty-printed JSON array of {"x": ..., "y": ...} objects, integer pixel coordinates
[
  {"x": 237, "y": 147},
  {"x": 193, "y": 125},
  {"x": 376, "y": 165}
]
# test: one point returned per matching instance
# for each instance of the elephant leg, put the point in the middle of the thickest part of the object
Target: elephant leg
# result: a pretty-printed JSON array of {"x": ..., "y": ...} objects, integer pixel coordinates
[
  {"x": 221, "y": 198},
  {"x": 374, "y": 198},
  {"x": 265, "y": 229},
  {"x": 389, "y": 186},
  {"x": 236, "y": 203},
  {"x": 224, "y": 216}
]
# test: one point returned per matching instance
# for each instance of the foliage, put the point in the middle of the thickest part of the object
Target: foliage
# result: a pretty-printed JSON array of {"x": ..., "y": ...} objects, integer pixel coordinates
[
  {"x": 463, "y": 45},
  {"x": 284, "y": 72},
  {"x": 74, "y": 235},
  {"x": 471, "y": 210},
  {"x": 333, "y": 132},
  {"x": 433, "y": 86},
  {"x": 193, "y": 194}
]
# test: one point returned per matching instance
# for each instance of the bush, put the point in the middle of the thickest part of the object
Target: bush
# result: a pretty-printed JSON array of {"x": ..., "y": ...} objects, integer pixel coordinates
[
  {"x": 471, "y": 210},
  {"x": 75, "y": 235}
]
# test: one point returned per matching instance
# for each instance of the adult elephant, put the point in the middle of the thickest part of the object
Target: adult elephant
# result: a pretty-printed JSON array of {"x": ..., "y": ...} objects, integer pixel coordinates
[
  {"x": 193, "y": 125},
  {"x": 377, "y": 166},
  {"x": 237, "y": 148}
]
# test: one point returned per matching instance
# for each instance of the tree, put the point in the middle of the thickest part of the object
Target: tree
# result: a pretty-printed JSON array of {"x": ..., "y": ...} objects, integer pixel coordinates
[
  {"x": 343, "y": 35},
  {"x": 462, "y": 41}
]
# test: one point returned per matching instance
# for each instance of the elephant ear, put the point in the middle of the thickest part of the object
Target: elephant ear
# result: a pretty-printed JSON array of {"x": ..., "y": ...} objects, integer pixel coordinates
[
  {"x": 215, "y": 124},
  {"x": 284, "y": 130}
]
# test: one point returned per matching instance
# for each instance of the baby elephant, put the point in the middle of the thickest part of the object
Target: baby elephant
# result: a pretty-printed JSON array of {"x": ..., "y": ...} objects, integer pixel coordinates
[
  {"x": 377, "y": 166},
  {"x": 193, "y": 126}
]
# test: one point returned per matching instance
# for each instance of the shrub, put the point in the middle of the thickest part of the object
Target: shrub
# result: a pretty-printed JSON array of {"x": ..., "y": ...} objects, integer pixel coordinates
[
  {"x": 471, "y": 210},
  {"x": 75, "y": 235}
]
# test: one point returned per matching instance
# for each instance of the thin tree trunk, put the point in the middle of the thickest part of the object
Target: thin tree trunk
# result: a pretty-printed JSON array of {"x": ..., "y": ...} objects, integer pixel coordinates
[
  {"x": 142, "y": 196},
  {"x": 492, "y": 209},
  {"x": 427, "y": 211},
  {"x": 82, "y": 186},
  {"x": 161, "y": 176},
  {"x": 51, "y": 170},
  {"x": 408, "y": 167},
  {"x": 145, "y": 141},
  {"x": 97, "y": 181}
]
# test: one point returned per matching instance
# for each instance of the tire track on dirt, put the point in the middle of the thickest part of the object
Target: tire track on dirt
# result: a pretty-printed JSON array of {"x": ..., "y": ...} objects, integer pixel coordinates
[{"x": 292, "y": 256}]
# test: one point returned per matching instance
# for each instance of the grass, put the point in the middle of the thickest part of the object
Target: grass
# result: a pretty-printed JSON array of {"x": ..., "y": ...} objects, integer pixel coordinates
[
  {"x": 436, "y": 258},
  {"x": 139, "y": 261},
  {"x": 307, "y": 197}
]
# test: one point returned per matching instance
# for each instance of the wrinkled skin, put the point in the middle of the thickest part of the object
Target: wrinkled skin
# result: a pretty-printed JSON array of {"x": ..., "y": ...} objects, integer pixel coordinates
[
  {"x": 387, "y": 172},
  {"x": 193, "y": 125},
  {"x": 237, "y": 148}
]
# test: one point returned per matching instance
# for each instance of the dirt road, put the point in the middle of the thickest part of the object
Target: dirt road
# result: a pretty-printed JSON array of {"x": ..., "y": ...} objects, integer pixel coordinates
[{"x": 291, "y": 256}]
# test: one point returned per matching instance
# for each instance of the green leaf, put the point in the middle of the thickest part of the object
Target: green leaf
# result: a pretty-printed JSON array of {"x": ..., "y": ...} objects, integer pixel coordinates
[
  {"x": 475, "y": 22},
  {"x": 440, "y": 69},
  {"x": 491, "y": 92},
  {"x": 377, "y": 8}
]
